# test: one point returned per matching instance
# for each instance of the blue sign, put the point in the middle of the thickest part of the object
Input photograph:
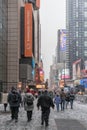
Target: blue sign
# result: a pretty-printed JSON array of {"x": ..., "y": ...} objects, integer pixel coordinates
[{"x": 84, "y": 82}]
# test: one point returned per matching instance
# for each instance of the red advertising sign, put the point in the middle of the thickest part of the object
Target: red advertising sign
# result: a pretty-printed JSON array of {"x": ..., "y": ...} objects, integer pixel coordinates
[{"x": 28, "y": 30}]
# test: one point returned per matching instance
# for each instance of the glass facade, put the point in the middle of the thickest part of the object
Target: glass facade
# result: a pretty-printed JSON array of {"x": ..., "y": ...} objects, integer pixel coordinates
[
  {"x": 76, "y": 26},
  {"x": 3, "y": 40}
]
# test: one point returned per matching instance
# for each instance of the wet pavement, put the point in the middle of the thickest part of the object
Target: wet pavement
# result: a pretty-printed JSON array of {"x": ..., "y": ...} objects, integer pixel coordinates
[{"x": 69, "y": 124}]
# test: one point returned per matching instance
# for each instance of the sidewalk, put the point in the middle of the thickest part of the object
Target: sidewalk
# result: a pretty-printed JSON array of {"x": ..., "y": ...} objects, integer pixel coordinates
[
  {"x": 69, "y": 124},
  {"x": 67, "y": 120},
  {"x": 22, "y": 124}
]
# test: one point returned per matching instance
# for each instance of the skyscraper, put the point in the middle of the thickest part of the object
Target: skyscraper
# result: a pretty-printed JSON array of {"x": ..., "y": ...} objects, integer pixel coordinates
[
  {"x": 76, "y": 25},
  {"x": 3, "y": 41}
]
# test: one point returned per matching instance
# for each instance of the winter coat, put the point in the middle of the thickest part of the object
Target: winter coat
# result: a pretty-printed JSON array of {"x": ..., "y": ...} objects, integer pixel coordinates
[
  {"x": 72, "y": 96},
  {"x": 68, "y": 97},
  {"x": 62, "y": 96},
  {"x": 30, "y": 97},
  {"x": 11, "y": 96},
  {"x": 45, "y": 101},
  {"x": 57, "y": 100},
  {"x": 4, "y": 98}
]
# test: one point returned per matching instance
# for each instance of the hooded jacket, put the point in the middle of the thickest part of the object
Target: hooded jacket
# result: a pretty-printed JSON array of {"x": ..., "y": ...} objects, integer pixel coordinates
[
  {"x": 10, "y": 98},
  {"x": 28, "y": 96}
]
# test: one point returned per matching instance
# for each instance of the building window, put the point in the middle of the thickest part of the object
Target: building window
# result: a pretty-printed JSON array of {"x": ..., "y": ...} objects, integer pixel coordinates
[
  {"x": 76, "y": 14},
  {"x": 76, "y": 24},
  {"x": 77, "y": 53},
  {"x": 76, "y": 3},
  {"x": 76, "y": 43},
  {"x": 85, "y": 53},
  {"x": 85, "y": 33},
  {"x": 85, "y": 24},
  {"x": 85, "y": 43},
  {"x": 0, "y": 25},
  {"x": 76, "y": 34},
  {"x": 85, "y": 4},
  {"x": 85, "y": 14}
]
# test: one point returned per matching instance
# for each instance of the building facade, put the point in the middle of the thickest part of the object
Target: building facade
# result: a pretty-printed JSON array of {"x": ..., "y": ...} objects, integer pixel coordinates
[
  {"x": 76, "y": 25},
  {"x": 3, "y": 41},
  {"x": 16, "y": 60}
]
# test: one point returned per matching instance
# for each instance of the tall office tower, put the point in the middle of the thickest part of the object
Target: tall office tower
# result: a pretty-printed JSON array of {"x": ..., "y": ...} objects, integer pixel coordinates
[
  {"x": 13, "y": 42},
  {"x": 76, "y": 25},
  {"x": 3, "y": 42}
]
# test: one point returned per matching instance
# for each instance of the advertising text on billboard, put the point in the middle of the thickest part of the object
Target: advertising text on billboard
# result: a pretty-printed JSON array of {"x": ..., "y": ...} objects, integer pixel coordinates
[{"x": 28, "y": 30}]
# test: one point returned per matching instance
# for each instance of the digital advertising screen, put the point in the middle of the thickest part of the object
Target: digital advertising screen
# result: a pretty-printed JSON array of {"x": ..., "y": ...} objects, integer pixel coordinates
[{"x": 62, "y": 40}]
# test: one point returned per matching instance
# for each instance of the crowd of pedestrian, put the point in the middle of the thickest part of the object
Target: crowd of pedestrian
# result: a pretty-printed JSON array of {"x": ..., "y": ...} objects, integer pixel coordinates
[
  {"x": 45, "y": 101},
  {"x": 62, "y": 100}
]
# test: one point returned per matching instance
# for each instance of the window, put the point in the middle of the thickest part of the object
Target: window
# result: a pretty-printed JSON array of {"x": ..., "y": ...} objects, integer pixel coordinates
[
  {"x": 85, "y": 53},
  {"x": 76, "y": 43},
  {"x": 76, "y": 34},
  {"x": 76, "y": 53},
  {"x": 85, "y": 24},
  {"x": 0, "y": 25},
  {"x": 85, "y": 4},
  {"x": 85, "y": 33},
  {"x": 85, "y": 43},
  {"x": 77, "y": 14},
  {"x": 76, "y": 3},
  {"x": 76, "y": 24},
  {"x": 85, "y": 14}
]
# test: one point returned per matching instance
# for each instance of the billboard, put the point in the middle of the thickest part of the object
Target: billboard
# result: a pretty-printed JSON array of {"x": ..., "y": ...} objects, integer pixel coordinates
[
  {"x": 84, "y": 82},
  {"x": 28, "y": 30},
  {"x": 38, "y": 4},
  {"x": 65, "y": 74},
  {"x": 62, "y": 40},
  {"x": 30, "y": 1},
  {"x": 77, "y": 69},
  {"x": 84, "y": 73}
]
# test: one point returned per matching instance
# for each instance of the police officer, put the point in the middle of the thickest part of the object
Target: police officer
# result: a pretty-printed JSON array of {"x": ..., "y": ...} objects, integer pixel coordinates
[{"x": 45, "y": 102}]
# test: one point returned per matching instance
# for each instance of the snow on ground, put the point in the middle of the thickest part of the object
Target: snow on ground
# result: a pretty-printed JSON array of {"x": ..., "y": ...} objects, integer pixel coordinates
[{"x": 79, "y": 113}]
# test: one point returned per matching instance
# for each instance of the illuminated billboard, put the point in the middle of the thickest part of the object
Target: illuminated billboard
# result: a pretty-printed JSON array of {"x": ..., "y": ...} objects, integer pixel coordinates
[
  {"x": 62, "y": 40},
  {"x": 30, "y": 1},
  {"x": 28, "y": 30},
  {"x": 77, "y": 69},
  {"x": 65, "y": 74},
  {"x": 38, "y": 4}
]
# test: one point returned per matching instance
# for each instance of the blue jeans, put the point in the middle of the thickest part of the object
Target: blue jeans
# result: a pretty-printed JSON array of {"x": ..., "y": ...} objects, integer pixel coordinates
[
  {"x": 57, "y": 106},
  {"x": 62, "y": 105},
  {"x": 71, "y": 104}
]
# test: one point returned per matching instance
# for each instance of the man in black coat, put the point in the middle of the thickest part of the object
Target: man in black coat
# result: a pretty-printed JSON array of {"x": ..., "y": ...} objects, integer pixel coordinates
[
  {"x": 45, "y": 102},
  {"x": 14, "y": 100}
]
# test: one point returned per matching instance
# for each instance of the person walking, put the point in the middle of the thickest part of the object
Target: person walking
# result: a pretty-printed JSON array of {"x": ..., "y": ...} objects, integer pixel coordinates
[
  {"x": 45, "y": 102},
  {"x": 29, "y": 105},
  {"x": 72, "y": 97},
  {"x": 57, "y": 101},
  {"x": 14, "y": 100},
  {"x": 67, "y": 98},
  {"x": 4, "y": 99},
  {"x": 62, "y": 96}
]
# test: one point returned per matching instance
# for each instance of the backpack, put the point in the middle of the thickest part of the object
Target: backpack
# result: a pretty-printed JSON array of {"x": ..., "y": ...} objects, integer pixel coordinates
[
  {"x": 15, "y": 98},
  {"x": 29, "y": 101}
]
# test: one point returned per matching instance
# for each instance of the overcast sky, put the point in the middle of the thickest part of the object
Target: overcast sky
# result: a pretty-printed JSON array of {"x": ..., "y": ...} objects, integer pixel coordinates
[{"x": 52, "y": 18}]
